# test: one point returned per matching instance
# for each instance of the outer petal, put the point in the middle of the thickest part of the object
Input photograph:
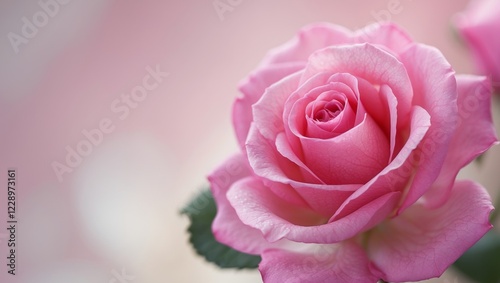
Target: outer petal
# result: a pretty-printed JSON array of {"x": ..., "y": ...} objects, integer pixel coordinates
[
  {"x": 386, "y": 34},
  {"x": 272, "y": 166},
  {"x": 343, "y": 262},
  {"x": 227, "y": 227},
  {"x": 421, "y": 243},
  {"x": 434, "y": 88},
  {"x": 268, "y": 111},
  {"x": 253, "y": 88},
  {"x": 309, "y": 39},
  {"x": 258, "y": 207},
  {"x": 474, "y": 135},
  {"x": 320, "y": 35}
]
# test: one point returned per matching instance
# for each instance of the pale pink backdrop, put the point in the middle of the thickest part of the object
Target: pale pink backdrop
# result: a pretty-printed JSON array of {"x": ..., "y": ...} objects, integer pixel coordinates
[{"x": 117, "y": 211}]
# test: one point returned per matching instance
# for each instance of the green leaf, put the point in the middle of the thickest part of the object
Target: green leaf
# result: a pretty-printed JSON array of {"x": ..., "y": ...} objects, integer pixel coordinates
[
  {"x": 201, "y": 212},
  {"x": 482, "y": 261}
]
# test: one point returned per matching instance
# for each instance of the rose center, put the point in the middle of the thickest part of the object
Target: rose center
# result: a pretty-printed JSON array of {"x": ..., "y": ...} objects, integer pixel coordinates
[{"x": 329, "y": 111}]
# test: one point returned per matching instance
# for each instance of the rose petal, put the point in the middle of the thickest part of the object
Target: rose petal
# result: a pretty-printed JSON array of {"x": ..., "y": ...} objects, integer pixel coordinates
[
  {"x": 248, "y": 201},
  {"x": 268, "y": 111},
  {"x": 381, "y": 105},
  {"x": 434, "y": 88},
  {"x": 397, "y": 174},
  {"x": 227, "y": 227},
  {"x": 270, "y": 163},
  {"x": 342, "y": 262},
  {"x": 328, "y": 129},
  {"x": 283, "y": 147},
  {"x": 320, "y": 121},
  {"x": 297, "y": 107},
  {"x": 474, "y": 135},
  {"x": 253, "y": 88},
  {"x": 368, "y": 62},
  {"x": 365, "y": 144},
  {"x": 284, "y": 173},
  {"x": 309, "y": 39},
  {"x": 326, "y": 201},
  {"x": 259, "y": 208},
  {"x": 421, "y": 243},
  {"x": 354, "y": 157},
  {"x": 387, "y": 35},
  {"x": 321, "y": 81}
]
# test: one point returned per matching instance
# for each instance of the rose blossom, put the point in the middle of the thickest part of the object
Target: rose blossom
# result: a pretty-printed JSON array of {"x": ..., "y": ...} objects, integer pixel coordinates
[
  {"x": 350, "y": 146},
  {"x": 479, "y": 25}
]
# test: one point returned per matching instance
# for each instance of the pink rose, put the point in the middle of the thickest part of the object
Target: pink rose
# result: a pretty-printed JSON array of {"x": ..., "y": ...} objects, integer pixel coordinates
[
  {"x": 480, "y": 26},
  {"x": 350, "y": 145}
]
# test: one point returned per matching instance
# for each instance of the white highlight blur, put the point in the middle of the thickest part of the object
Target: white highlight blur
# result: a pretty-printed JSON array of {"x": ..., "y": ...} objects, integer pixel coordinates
[{"x": 120, "y": 192}]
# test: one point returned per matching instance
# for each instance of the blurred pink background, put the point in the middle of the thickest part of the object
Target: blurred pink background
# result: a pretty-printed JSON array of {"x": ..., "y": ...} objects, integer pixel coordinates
[{"x": 116, "y": 213}]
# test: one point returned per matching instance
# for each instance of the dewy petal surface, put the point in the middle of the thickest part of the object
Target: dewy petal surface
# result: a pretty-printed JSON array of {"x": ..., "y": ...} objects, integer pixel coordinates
[{"x": 422, "y": 242}]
